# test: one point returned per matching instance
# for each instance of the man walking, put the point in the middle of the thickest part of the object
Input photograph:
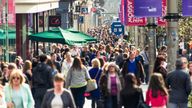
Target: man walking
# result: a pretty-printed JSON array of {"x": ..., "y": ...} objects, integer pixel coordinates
[
  {"x": 179, "y": 84},
  {"x": 41, "y": 80}
]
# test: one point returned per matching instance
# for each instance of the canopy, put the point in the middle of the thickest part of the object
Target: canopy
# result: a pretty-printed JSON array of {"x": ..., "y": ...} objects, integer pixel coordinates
[
  {"x": 81, "y": 35},
  {"x": 11, "y": 34},
  {"x": 58, "y": 35}
]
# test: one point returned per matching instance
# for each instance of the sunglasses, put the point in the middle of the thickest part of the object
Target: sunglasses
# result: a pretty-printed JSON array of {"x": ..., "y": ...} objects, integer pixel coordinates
[{"x": 16, "y": 78}]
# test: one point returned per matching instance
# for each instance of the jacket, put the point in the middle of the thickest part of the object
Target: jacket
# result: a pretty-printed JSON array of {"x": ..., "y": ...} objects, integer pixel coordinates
[
  {"x": 140, "y": 75},
  {"x": 180, "y": 87},
  {"x": 27, "y": 98},
  {"x": 66, "y": 97},
  {"x": 130, "y": 97}
]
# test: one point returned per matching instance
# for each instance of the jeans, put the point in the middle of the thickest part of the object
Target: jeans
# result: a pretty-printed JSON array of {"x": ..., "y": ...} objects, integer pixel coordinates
[
  {"x": 111, "y": 102},
  {"x": 78, "y": 95},
  {"x": 177, "y": 105},
  {"x": 146, "y": 69}
]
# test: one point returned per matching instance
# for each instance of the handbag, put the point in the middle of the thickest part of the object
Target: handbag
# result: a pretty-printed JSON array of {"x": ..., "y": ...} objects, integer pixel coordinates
[
  {"x": 142, "y": 104},
  {"x": 92, "y": 84}
]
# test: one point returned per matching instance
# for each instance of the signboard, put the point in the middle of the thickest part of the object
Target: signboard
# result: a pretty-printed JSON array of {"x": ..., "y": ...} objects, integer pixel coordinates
[
  {"x": 160, "y": 20},
  {"x": 121, "y": 11},
  {"x": 130, "y": 19},
  {"x": 78, "y": 9},
  {"x": 187, "y": 7},
  {"x": 148, "y": 8},
  {"x": 54, "y": 21},
  {"x": 84, "y": 10},
  {"x": 117, "y": 28},
  {"x": 11, "y": 12},
  {"x": 81, "y": 19}
]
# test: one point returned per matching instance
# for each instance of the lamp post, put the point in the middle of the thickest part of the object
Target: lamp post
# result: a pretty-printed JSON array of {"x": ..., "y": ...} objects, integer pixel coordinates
[{"x": 6, "y": 32}]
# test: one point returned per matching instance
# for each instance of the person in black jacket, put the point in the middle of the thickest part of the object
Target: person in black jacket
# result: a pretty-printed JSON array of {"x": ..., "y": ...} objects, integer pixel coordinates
[
  {"x": 41, "y": 80},
  {"x": 131, "y": 93}
]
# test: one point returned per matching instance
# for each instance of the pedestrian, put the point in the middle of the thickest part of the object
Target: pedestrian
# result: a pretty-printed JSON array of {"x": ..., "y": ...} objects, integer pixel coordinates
[
  {"x": 111, "y": 85},
  {"x": 160, "y": 66},
  {"x": 77, "y": 78},
  {"x": 95, "y": 73},
  {"x": 54, "y": 70},
  {"x": 145, "y": 54},
  {"x": 41, "y": 80},
  {"x": 157, "y": 93},
  {"x": 55, "y": 62},
  {"x": 27, "y": 71},
  {"x": 131, "y": 93},
  {"x": 132, "y": 65},
  {"x": 3, "y": 103},
  {"x": 58, "y": 97},
  {"x": 178, "y": 81},
  {"x": 17, "y": 93},
  {"x": 11, "y": 68},
  {"x": 67, "y": 63}
]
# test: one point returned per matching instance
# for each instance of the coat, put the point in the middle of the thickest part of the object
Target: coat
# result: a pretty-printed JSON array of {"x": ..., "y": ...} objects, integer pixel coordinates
[
  {"x": 27, "y": 98},
  {"x": 140, "y": 75},
  {"x": 66, "y": 97}
]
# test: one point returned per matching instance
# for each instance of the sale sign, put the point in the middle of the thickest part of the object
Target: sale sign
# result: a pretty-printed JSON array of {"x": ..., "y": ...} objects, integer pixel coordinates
[
  {"x": 160, "y": 20},
  {"x": 187, "y": 7},
  {"x": 148, "y": 8},
  {"x": 130, "y": 19}
]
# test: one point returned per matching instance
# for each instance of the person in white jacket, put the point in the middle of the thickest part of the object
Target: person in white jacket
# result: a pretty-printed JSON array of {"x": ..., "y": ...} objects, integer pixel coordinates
[{"x": 67, "y": 63}]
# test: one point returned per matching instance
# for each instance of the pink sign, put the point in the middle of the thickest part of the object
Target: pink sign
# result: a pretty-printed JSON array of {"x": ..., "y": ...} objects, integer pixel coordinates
[
  {"x": 11, "y": 12},
  {"x": 160, "y": 20},
  {"x": 131, "y": 20}
]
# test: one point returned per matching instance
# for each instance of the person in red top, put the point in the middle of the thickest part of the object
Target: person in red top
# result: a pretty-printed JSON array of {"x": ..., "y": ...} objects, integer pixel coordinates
[{"x": 157, "y": 94}]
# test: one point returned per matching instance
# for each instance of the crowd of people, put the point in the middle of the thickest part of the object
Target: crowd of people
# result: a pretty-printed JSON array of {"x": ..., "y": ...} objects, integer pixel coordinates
[{"x": 60, "y": 79}]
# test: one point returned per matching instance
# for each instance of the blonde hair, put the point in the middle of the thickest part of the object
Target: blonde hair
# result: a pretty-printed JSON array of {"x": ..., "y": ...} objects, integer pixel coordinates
[
  {"x": 95, "y": 63},
  {"x": 17, "y": 73}
]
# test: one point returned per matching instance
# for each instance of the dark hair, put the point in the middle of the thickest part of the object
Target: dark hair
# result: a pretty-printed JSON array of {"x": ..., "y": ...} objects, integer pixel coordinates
[
  {"x": 52, "y": 54},
  {"x": 42, "y": 58},
  {"x": 77, "y": 64},
  {"x": 158, "y": 61},
  {"x": 157, "y": 84},
  {"x": 50, "y": 63},
  {"x": 102, "y": 62},
  {"x": 179, "y": 63},
  {"x": 190, "y": 62},
  {"x": 130, "y": 80}
]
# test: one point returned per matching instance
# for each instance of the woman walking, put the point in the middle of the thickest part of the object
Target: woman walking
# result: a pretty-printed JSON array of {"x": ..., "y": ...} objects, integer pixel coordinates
[
  {"x": 17, "y": 93},
  {"x": 95, "y": 73},
  {"x": 77, "y": 80},
  {"x": 110, "y": 85},
  {"x": 131, "y": 93},
  {"x": 157, "y": 94}
]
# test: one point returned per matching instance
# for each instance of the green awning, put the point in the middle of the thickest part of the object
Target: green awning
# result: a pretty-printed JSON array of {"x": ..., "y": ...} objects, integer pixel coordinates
[{"x": 58, "y": 35}]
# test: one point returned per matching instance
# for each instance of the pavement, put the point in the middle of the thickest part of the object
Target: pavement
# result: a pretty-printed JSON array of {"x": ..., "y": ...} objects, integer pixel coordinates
[{"x": 143, "y": 86}]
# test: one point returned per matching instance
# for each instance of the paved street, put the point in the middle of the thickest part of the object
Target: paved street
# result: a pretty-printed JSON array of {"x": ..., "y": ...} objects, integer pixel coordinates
[{"x": 88, "y": 102}]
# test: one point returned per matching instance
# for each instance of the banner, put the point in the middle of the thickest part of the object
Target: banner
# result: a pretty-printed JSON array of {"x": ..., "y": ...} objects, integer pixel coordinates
[
  {"x": 187, "y": 7},
  {"x": 148, "y": 8},
  {"x": 160, "y": 20},
  {"x": 130, "y": 19},
  {"x": 122, "y": 12},
  {"x": 11, "y": 12}
]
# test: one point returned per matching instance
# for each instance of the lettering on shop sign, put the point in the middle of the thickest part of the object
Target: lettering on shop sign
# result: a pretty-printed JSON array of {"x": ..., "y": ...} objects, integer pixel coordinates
[{"x": 54, "y": 21}]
